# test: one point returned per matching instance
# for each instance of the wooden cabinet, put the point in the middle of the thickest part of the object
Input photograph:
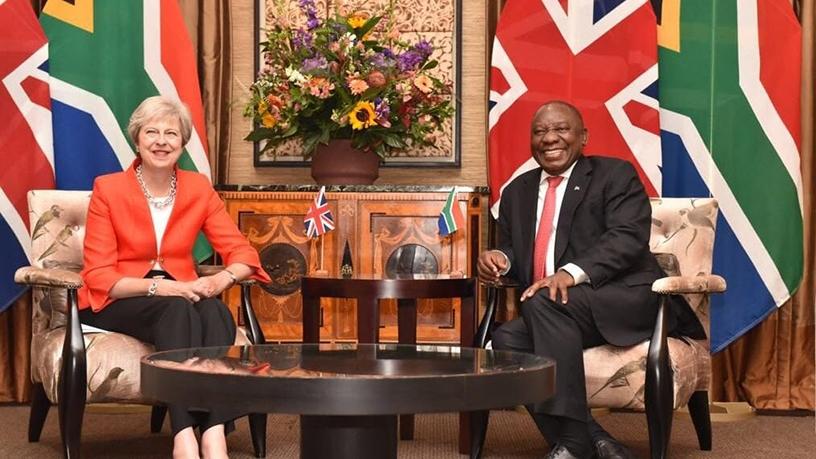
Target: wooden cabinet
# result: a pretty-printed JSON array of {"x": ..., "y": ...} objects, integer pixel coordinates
[{"x": 389, "y": 229}]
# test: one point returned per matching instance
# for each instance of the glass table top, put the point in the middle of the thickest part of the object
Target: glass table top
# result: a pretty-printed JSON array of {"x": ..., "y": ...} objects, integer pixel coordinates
[{"x": 348, "y": 360}]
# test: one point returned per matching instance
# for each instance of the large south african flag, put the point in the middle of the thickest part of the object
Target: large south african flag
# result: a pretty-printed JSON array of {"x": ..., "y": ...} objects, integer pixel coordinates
[
  {"x": 729, "y": 119},
  {"x": 105, "y": 58}
]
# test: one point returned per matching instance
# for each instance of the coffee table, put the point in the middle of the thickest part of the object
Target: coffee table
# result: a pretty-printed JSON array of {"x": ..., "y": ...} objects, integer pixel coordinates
[
  {"x": 348, "y": 395},
  {"x": 368, "y": 290}
]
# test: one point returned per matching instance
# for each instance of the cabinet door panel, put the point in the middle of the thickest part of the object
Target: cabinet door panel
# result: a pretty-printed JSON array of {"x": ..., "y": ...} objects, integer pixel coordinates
[
  {"x": 404, "y": 237},
  {"x": 275, "y": 229}
]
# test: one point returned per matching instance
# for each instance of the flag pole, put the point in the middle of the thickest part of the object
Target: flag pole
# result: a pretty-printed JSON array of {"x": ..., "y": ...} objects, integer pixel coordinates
[{"x": 321, "y": 271}]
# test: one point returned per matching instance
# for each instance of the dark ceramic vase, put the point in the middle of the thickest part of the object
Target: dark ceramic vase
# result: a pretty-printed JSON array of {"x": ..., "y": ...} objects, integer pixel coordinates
[{"x": 338, "y": 163}]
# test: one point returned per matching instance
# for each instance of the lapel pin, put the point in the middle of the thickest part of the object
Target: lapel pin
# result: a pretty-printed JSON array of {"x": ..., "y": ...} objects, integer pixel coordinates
[{"x": 577, "y": 188}]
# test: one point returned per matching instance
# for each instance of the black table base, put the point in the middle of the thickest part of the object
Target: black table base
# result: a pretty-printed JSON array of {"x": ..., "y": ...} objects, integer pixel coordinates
[{"x": 348, "y": 437}]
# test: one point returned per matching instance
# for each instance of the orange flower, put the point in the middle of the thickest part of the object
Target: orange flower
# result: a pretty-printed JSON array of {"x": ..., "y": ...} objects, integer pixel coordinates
[
  {"x": 357, "y": 20},
  {"x": 423, "y": 83},
  {"x": 357, "y": 86},
  {"x": 269, "y": 120},
  {"x": 274, "y": 101}
]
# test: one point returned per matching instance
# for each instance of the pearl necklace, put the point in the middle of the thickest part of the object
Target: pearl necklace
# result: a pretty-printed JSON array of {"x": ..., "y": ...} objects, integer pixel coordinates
[{"x": 150, "y": 199}]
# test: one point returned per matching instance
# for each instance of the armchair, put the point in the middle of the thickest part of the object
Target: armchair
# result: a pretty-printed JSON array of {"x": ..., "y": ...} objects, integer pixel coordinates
[
  {"x": 69, "y": 367},
  {"x": 660, "y": 374}
]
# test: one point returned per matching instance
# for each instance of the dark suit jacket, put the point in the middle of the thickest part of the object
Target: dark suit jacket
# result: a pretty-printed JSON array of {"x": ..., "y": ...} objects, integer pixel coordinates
[{"x": 603, "y": 227}]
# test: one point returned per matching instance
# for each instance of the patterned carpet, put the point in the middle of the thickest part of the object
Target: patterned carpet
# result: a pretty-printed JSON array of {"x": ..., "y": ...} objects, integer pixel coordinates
[{"x": 511, "y": 435}]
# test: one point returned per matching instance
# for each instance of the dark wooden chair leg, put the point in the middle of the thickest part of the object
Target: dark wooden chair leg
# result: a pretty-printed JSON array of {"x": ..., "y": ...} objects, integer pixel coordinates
[
  {"x": 73, "y": 382},
  {"x": 157, "y": 418},
  {"x": 701, "y": 417},
  {"x": 478, "y": 432},
  {"x": 39, "y": 411},
  {"x": 659, "y": 392},
  {"x": 71, "y": 411},
  {"x": 257, "y": 429}
]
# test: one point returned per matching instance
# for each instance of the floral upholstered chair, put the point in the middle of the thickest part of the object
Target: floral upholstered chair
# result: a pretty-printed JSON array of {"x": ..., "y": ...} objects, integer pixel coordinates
[
  {"x": 69, "y": 367},
  {"x": 660, "y": 374}
]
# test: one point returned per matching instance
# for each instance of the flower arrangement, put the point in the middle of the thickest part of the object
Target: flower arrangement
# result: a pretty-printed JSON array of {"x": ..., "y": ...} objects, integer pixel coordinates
[{"x": 349, "y": 76}]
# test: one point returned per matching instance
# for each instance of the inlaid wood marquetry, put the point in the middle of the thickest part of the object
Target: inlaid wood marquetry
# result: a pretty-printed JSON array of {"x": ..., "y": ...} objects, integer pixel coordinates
[{"x": 387, "y": 231}]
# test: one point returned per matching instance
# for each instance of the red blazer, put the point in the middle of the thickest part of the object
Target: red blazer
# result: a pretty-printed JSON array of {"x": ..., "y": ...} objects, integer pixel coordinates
[{"x": 120, "y": 240}]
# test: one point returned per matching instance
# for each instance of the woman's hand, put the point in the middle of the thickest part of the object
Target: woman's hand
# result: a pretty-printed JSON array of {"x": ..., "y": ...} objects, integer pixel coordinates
[
  {"x": 167, "y": 287},
  {"x": 211, "y": 286}
]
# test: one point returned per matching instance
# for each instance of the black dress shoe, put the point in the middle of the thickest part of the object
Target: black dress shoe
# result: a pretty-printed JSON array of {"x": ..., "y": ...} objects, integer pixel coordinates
[
  {"x": 609, "y": 448},
  {"x": 560, "y": 452}
]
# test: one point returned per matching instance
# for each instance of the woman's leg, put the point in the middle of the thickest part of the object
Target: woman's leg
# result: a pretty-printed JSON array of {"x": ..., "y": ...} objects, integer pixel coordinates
[
  {"x": 185, "y": 444},
  {"x": 167, "y": 322},
  {"x": 218, "y": 329},
  {"x": 214, "y": 443}
]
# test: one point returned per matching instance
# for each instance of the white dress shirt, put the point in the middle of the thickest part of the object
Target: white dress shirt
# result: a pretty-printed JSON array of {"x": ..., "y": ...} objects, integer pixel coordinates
[
  {"x": 160, "y": 219},
  {"x": 574, "y": 270}
]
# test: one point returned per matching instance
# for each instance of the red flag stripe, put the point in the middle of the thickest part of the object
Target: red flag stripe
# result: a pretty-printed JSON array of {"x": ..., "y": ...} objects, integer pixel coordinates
[
  {"x": 780, "y": 57},
  {"x": 176, "y": 51}
]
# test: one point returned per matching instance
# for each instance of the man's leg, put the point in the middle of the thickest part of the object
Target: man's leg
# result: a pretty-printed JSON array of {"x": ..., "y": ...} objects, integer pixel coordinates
[
  {"x": 562, "y": 332},
  {"x": 513, "y": 336}
]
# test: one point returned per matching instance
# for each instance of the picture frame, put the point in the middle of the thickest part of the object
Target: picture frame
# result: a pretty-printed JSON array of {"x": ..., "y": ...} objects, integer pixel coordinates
[{"x": 444, "y": 30}]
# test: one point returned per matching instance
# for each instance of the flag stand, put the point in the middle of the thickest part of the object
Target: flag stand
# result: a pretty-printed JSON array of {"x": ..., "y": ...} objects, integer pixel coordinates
[{"x": 321, "y": 272}]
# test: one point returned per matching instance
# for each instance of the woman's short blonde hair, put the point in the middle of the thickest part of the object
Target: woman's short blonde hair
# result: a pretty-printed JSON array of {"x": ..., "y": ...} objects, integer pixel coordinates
[{"x": 160, "y": 107}]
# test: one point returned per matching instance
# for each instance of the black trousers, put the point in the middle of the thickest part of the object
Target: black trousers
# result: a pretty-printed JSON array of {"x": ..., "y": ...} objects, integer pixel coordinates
[
  {"x": 561, "y": 332},
  {"x": 172, "y": 322}
]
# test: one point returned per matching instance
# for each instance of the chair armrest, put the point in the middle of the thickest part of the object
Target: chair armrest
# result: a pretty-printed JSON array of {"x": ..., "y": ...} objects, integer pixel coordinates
[
  {"x": 483, "y": 331},
  {"x": 250, "y": 319},
  {"x": 210, "y": 270},
  {"x": 52, "y": 277},
  {"x": 708, "y": 283}
]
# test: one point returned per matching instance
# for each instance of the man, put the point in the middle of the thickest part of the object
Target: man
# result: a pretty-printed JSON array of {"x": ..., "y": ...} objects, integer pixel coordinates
[{"x": 575, "y": 234}]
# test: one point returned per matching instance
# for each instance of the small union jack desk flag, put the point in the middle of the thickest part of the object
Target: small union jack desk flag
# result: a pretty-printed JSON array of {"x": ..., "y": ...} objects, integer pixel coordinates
[{"x": 318, "y": 219}]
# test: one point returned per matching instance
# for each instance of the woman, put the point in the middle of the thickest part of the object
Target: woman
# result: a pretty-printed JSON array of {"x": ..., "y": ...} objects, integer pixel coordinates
[{"x": 139, "y": 274}]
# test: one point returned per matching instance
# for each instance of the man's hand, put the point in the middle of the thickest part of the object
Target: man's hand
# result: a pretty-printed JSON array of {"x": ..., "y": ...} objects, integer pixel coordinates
[
  {"x": 558, "y": 284},
  {"x": 491, "y": 264}
]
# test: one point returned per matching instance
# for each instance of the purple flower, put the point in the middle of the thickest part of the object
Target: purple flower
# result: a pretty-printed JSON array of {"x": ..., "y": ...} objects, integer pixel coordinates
[
  {"x": 424, "y": 48},
  {"x": 301, "y": 39},
  {"x": 409, "y": 60},
  {"x": 314, "y": 63},
  {"x": 310, "y": 10},
  {"x": 381, "y": 108},
  {"x": 382, "y": 60}
]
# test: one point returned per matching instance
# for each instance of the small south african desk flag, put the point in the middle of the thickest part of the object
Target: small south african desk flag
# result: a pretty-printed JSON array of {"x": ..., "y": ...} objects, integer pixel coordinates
[
  {"x": 451, "y": 218},
  {"x": 318, "y": 219}
]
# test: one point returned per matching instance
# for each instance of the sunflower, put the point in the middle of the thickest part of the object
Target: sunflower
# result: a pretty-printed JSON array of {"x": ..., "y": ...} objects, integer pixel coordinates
[{"x": 362, "y": 116}]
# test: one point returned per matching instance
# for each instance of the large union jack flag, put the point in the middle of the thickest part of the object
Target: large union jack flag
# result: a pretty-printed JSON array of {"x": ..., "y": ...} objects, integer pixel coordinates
[
  {"x": 318, "y": 219},
  {"x": 599, "y": 55},
  {"x": 25, "y": 134}
]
